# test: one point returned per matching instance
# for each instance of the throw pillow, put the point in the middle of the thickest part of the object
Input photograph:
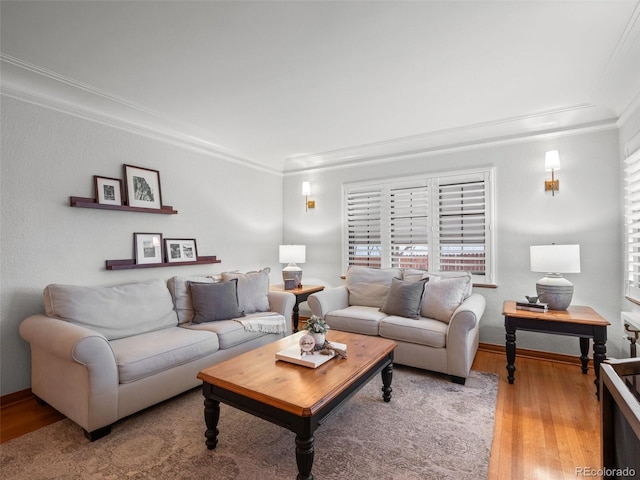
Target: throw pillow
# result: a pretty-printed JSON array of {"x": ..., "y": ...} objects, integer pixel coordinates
[
  {"x": 214, "y": 301},
  {"x": 253, "y": 290},
  {"x": 442, "y": 296},
  {"x": 404, "y": 298},
  {"x": 368, "y": 287},
  {"x": 115, "y": 312}
]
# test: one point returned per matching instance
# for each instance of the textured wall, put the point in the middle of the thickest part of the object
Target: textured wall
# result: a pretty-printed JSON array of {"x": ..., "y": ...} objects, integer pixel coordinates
[
  {"x": 232, "y": 211},
  {"x": 587, "y": 211}
]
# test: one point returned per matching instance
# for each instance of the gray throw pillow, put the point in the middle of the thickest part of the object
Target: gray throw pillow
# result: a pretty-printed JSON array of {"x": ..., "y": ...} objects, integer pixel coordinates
[
  {"x": 404, "y": 298},
  {"x": 214, "y": 301},
  {"x": 253, "y": 290}
]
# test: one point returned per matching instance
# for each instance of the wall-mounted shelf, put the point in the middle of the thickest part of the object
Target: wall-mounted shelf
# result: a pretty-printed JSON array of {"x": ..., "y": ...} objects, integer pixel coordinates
[
  {"x": 84, "y": 202},
  {"x": 131, "y": 263}
]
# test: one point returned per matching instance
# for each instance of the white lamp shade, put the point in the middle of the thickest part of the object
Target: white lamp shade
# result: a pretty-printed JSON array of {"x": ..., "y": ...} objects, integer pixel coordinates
[
  {"x": 555, "y": 258},
  {"x": 306, "y": 188},
  {"x": 292, "y": 253},
  {"x": 551, "y": 160}
]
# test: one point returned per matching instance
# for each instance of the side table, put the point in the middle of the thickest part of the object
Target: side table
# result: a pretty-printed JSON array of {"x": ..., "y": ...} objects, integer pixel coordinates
[
  {"x": 577, "y": 321},
  {"x": 301, "y": 293}
]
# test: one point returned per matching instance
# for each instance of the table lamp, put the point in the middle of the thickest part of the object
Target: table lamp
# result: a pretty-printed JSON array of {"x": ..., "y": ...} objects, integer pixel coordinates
[
  {"x": 292, "y": 273},
  {"x": 553, "y": 289}
]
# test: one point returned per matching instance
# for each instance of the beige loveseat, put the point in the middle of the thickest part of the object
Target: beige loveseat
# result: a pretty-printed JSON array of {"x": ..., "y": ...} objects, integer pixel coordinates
[
  {"x": 434, "y": 318},
  {"x": 99, "y": 354}
]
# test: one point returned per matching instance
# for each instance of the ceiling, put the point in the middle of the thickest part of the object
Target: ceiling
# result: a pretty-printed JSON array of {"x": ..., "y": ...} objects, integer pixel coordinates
[{"x": 289, "y": 85}]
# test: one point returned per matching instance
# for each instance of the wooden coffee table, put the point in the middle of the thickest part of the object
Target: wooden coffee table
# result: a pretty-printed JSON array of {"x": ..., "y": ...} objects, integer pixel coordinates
[{"x": 294, "y": 397}]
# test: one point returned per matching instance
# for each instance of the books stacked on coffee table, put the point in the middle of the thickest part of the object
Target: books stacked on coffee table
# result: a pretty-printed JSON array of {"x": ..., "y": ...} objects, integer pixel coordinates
[{"x": 532, "y": 307}]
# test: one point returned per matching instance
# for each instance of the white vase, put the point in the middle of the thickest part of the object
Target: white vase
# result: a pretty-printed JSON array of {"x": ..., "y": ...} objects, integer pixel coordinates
[{"x": 319, "y": 338}]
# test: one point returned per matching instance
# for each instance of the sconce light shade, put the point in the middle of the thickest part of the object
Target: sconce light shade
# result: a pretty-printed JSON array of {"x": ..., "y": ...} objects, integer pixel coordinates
[
  {"x": 551, "y": 164},
  {"x": 551, "y": 161},
  {"x": 306, "y": 191},
  {"x": 292, "y": 273},
  {"x": 554, "y": 260}
]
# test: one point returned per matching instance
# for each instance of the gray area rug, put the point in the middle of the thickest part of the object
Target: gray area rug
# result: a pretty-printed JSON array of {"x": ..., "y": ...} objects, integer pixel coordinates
[{"x": 431, "y": 429}]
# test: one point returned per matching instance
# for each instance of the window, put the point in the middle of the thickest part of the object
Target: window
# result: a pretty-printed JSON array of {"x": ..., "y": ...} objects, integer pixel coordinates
[
  {"x": 435, "y": 223},
  {"x": 632, "y": 224}
]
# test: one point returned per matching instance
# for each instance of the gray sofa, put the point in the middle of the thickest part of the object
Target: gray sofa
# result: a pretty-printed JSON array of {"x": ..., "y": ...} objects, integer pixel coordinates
[
  {"x": 434, "y": 318},
  {"x": 99, "y": 354}
]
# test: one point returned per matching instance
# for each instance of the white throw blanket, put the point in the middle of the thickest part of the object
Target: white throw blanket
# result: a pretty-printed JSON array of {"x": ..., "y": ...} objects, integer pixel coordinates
[{"x": 264, "y": 322}]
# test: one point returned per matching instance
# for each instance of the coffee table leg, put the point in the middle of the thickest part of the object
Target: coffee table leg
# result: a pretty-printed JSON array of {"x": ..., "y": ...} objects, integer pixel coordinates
[
  {"x": 387, "y": 376},
  {"x": 211, "y": 417},
  {"x": 304, "y": 457}
]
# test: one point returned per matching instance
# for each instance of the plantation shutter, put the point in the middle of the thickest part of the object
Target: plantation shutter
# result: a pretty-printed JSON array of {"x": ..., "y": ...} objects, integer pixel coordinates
[
  {"x": 408, "y": 224},
  {"x": 462, "y": 224},
  {"x": 632, "y": 224},
  {"x": 364, "y": 226}
]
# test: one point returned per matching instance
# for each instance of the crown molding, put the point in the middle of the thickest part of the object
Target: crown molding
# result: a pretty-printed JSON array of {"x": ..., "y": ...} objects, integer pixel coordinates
[
  {"x": 563, "y": 121},
  {"x": 38, "y": 86}
]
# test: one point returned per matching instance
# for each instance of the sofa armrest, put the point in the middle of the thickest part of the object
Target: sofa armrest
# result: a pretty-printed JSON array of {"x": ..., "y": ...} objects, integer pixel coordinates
[
  {"x": 282, "y": 302},
  {"x": 73, "y": 369},
  {"x": 463, "y": 335},
  {"x": 328, "y": 300}
]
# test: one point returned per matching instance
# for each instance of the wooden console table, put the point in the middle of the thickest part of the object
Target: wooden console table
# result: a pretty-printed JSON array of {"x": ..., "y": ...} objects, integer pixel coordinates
[
  {"x": 577, "y": 321},
  {"x": 301, "y": 293}
]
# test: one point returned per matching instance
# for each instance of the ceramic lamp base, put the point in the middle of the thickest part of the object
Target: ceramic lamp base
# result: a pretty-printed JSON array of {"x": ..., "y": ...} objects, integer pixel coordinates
[{"x": 555, "y": 290}]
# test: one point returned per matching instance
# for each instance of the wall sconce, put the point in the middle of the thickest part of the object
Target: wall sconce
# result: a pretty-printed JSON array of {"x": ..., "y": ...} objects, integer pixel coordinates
[
  {"x": 306, "y": 191},
  {"x": 552, "y": 163}
]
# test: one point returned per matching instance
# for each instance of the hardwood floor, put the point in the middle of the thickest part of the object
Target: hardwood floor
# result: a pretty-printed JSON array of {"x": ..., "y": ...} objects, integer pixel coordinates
[{"x": 547, "y": 422}]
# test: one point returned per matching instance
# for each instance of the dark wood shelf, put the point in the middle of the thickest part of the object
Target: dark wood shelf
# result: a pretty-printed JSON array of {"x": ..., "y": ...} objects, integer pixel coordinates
[
  {"x": 84, "y": 202},
  {"x": 129, "y": 264}
]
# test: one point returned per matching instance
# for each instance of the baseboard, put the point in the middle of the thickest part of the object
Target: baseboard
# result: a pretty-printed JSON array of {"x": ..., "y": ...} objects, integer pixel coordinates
[
  {"x": 16, "y": 397},
  {"x": 535, "y": 354}
]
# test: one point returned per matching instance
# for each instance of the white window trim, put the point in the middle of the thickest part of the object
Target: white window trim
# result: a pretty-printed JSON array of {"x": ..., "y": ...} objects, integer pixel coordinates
[
  {"x": 432, "y": 180},
  {"x": 632, "y": 226}
]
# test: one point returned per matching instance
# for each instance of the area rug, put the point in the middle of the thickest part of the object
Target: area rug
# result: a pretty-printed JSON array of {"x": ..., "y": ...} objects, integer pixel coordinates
[{"x": 431, "y": 429}]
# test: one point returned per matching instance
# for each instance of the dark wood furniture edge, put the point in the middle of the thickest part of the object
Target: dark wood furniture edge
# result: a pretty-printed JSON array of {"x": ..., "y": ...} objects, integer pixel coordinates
[
  {"x": 86, "y": 202},
  {"x": 129, "y": 264}
]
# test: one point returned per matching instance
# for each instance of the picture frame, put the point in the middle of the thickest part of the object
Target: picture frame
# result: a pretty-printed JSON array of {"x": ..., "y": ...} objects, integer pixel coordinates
[
  {"x": 147, "y": 248},
  {"x": 108, "y": 190},
  {"x": 142, "y": 187},
  {"x": 180, "y": 250}
]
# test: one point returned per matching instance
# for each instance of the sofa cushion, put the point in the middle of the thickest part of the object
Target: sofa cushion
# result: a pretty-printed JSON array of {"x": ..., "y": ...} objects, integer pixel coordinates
[
  {"x": 355, "y": 319},
  {"x": 154, "y": 352},
  {"x": 424, "y": 331},
  {"x": 413, "y": 275},
  {"x": 404, "y": 298},
  {"x": 115, "y": 312},
  {"x": 442, "y": 296},
  {"x": 230, "y": 333},
  {"x": 214, "y": 301},
  {"x": 253, "y": 290},
  {"x": 369, "y": 286},
  {"x": 179, "y": 289}
]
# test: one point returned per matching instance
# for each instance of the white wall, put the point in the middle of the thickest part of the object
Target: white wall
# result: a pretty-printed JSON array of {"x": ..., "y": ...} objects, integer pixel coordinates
[
  {"x": 232, "y": 211},
  {"x": 586, "y": 211}
]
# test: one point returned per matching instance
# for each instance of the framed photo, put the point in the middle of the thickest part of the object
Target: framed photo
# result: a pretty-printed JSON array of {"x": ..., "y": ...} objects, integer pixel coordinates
[
  {"x": 180, "y": 250},
  {"x": 148, "y": 247},
  {"x": 143, "y": 187},
  {"x": 108, "y": 190}
]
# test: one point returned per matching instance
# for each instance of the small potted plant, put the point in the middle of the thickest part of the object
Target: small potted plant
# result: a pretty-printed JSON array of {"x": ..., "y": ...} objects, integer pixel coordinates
[{"x": 317, "y": 328}]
